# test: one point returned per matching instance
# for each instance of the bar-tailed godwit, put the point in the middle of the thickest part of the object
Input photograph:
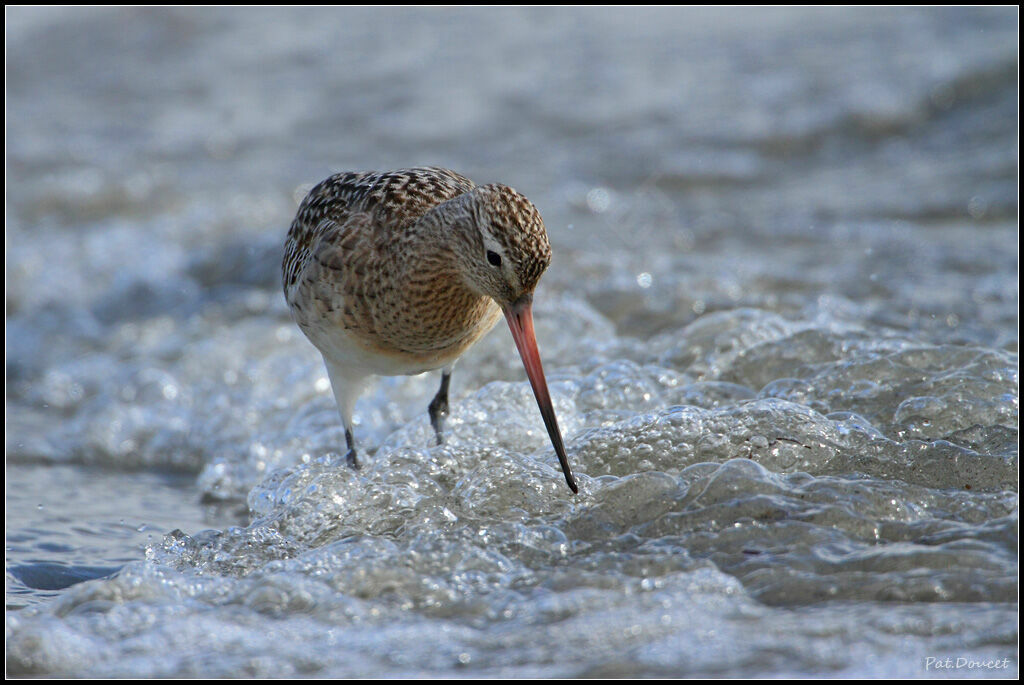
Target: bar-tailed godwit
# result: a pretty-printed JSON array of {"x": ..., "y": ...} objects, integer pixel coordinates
[{"x": 401, "y": 272}]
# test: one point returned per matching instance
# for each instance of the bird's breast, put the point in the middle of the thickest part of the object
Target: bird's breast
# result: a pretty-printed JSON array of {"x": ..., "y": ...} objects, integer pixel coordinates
[{"x": 391, "y": 327}]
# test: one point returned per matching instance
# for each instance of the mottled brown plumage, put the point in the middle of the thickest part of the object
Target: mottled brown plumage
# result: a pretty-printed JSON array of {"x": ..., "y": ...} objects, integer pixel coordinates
[{"x": 401, "y": 272}]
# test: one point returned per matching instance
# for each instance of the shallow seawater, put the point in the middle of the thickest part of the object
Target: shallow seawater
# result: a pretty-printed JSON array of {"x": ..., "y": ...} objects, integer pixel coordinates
[
  {"x": 52, "y": 546},
  {"x": 780, "y": 332}
]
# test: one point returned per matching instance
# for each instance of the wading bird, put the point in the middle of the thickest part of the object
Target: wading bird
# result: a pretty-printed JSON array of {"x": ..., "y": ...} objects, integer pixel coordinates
[{"x": 400, "y": 272}]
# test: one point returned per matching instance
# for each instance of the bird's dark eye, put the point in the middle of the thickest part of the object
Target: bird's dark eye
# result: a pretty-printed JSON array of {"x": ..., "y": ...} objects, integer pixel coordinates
[{"x": 494, "y": 258}]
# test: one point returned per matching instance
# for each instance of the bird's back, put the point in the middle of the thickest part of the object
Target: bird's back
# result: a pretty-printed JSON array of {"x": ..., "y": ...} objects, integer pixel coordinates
[{"x": 386, "y": 202}]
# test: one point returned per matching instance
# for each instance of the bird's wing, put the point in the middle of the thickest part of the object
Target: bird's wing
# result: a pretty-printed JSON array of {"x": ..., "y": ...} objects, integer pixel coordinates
[
  {"x": 337, "y": 256},
  {"x": 333, "y": 278},
  {"x": 378, "y": 203}
]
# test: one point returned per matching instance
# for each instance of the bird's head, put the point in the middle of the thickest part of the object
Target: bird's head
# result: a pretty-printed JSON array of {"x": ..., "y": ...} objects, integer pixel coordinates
[
  {"x": 503, "y": 251},
  {"x": 505, "y": 248}
]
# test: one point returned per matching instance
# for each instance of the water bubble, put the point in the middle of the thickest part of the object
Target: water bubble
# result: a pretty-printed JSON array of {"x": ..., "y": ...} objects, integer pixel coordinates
[
  {"x": 300, "y": 192},
  {"x": 598, "y": 200},
  {"x": 644, "y": 280},
  {"x": 977, "y": 207}
]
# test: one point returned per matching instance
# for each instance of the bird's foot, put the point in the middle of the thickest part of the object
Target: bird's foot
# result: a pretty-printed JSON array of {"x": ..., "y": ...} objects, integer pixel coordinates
[
  {"x": 438, "y": 410},
  {"x": 353, "y": 461},
  {"x": 439, "y": 407}
]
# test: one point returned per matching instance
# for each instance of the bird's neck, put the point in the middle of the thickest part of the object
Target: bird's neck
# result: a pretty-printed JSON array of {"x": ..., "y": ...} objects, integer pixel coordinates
[
  {"x": 433, "y": 244},
  {"x": 444, "y": 225},
  {"x": 433, "y": 282}
]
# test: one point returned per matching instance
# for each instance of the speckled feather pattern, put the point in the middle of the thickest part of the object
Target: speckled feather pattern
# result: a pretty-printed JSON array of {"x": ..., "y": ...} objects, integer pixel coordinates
[{"x": 385, "y": 262}]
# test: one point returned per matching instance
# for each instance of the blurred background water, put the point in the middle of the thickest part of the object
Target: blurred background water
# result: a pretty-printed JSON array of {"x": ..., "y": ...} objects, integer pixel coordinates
[{"x": 781, "y": 331}]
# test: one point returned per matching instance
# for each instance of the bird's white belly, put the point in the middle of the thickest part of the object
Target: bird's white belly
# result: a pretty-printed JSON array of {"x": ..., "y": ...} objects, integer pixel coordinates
[{"x": 359, "y": 357}]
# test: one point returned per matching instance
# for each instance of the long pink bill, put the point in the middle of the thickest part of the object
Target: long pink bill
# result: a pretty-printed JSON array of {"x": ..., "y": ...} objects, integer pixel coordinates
[{"x": 520, "y": 319}]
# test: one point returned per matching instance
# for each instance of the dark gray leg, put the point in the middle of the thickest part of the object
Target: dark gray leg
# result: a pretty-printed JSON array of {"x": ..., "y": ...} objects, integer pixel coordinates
[
  {"x": 439, "y": 406},
  {"x": 351, "y": 456}
]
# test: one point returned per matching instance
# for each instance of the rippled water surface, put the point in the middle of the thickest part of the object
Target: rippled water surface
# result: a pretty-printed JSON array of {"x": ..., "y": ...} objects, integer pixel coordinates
[{"x": 780, "y": 332}]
